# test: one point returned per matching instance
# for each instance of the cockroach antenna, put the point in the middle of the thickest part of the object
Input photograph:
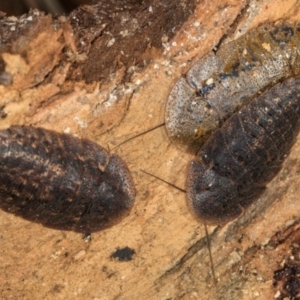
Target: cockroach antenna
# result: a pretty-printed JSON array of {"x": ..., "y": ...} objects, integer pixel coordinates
[
  {"x": 173, "y": 185},
  {"x": 139, "y": 134},
  {"x": 210, "y": 255},
  {"x": 205, "y": 226}
]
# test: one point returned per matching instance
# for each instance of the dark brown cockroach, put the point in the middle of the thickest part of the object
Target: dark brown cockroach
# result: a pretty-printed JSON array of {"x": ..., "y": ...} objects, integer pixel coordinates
[
  {"x": 221, "y": 83},
  {"x": 240, "y": 158},
  {"x": 234, "y": 165},
  {"x": 61, "y": 181}
]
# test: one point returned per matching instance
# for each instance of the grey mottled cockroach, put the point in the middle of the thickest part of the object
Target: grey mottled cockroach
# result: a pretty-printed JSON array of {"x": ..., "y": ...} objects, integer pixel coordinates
[
  {"x": 61, "y": 181},
  {"x": 234, "y": 165},
  {"x": 221, "y": 83}
]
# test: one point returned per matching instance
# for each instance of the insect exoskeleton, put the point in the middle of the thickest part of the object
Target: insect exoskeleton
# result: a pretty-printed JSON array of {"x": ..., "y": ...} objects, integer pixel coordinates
[
  {"x": 234, "y": 165},
  {"x": 221, "y": 83},
  {"x": 61, "y": 181}
]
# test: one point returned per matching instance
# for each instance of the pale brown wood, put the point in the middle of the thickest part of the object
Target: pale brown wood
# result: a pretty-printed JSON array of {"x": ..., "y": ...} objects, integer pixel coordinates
[{"x": 52, "y": 88}]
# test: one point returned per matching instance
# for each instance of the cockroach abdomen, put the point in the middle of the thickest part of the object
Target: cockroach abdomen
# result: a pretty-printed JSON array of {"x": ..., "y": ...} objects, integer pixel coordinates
[
  {"x": 221, "y": 83},
  {"x": 239, "y": 159},
  {"x": 61, "y": 181}
]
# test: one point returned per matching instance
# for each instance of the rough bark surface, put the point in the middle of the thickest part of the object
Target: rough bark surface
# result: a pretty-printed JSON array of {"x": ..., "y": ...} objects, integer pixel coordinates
[{"x": 104, "y": 73}]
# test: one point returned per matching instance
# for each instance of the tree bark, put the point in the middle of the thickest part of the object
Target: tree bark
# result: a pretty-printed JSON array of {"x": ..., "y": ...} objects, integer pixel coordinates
[{"x": 104, "y": 72}]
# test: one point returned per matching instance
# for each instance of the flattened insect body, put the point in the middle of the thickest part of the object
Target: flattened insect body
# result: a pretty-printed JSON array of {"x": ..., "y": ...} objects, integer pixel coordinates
[
  {"x": 61, "y": 181},
  {"x": 222, "y": 82},
  {"x": 239, "y": 159}
]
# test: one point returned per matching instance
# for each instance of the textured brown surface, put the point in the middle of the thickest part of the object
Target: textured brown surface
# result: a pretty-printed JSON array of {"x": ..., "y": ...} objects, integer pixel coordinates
[
  {"x": 287, "y": 278},
  {"x": 238, "y": 160},
  {"x": 171, "y": 258},
  {"x": 124, "y": 34},
  {"x": 61, "y": 181},
  {"x": 222, "y": 82}
]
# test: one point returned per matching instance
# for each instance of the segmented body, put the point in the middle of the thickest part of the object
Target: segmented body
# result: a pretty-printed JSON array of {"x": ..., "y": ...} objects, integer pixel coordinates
[
  {"x": 239, "y": 159},
  {"x": 61, "y": 181},
  {"x": 221, "y": 83}
]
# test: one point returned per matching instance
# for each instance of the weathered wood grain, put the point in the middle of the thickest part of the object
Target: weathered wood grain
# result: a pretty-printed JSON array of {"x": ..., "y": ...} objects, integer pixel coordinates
[{"x": 61, "y": 83}]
